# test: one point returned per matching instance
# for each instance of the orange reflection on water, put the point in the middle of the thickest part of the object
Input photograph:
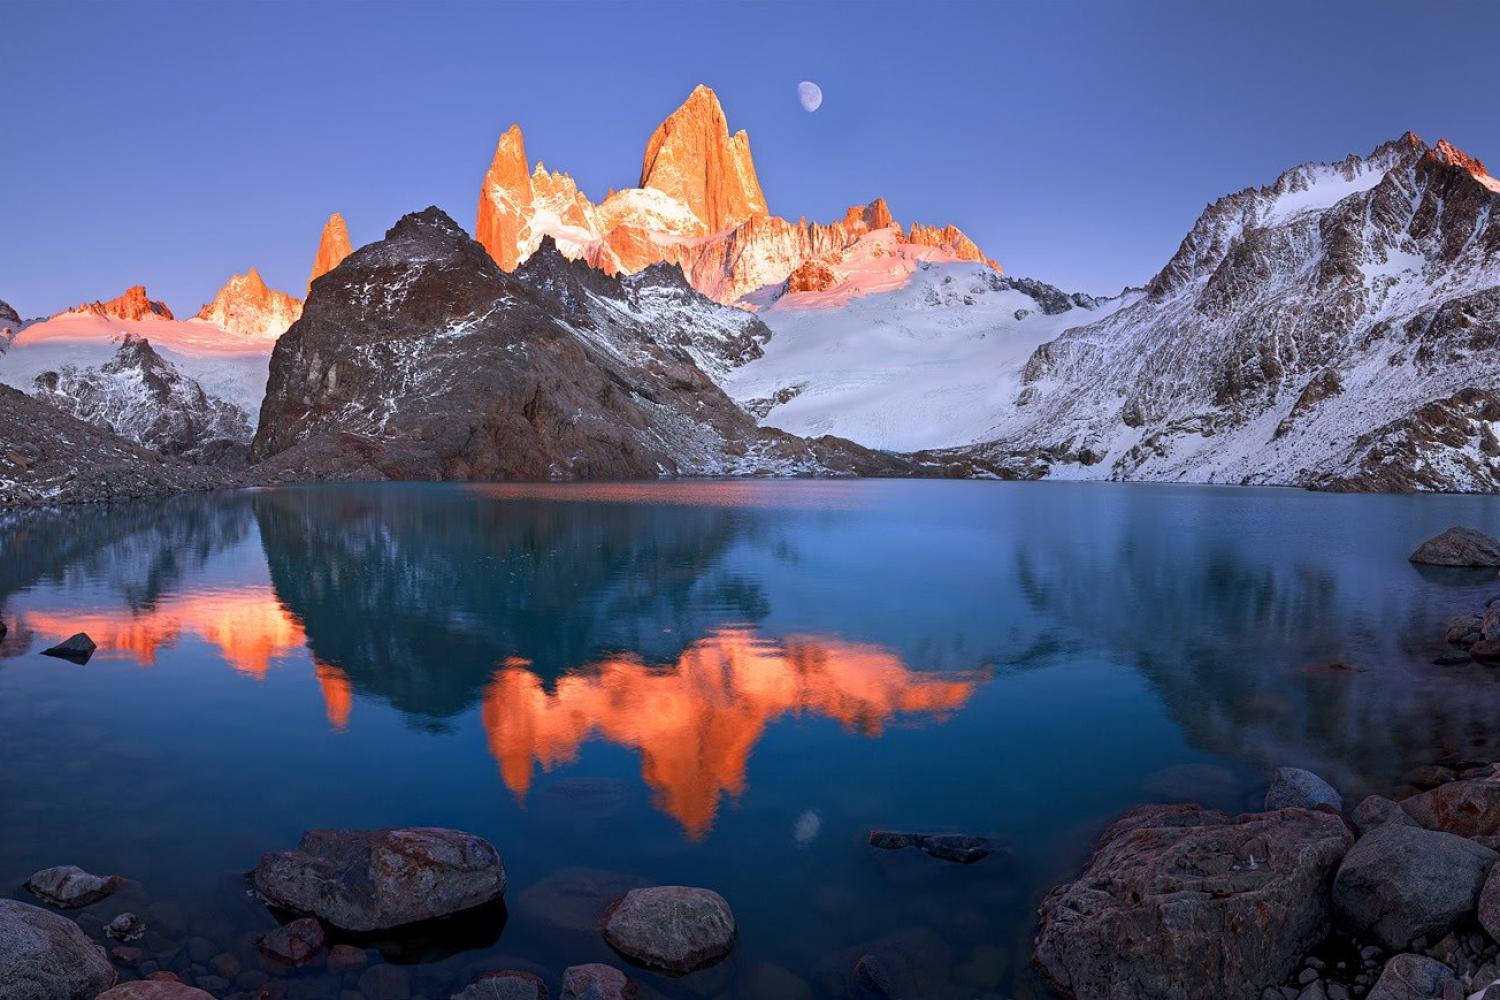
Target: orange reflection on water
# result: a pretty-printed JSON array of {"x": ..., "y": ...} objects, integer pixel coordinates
[{"x": 695, "y": 722}]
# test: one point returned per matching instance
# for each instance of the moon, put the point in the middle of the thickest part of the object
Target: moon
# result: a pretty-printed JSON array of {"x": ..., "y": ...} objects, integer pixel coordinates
[{"x": 809, "y": 95}]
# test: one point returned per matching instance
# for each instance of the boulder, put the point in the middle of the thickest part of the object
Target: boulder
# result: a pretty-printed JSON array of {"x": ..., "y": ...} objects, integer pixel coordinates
[
  {"x": 44, "y": 956},
  {"x": 1458, "y": 547},
  {"x": 77, "y": 647},
  {"x": 1400, "y": 883},
  {"x": 1489, "y": 904},
  {"x": 963, "y": 848},
  {"x": 1295, "y": 788},
  {"x": 507, "y": 985},
  {"x": 596, "y": 982},
  {"x": 1190, "y": 902},
  {"x": 369, "y": 880},
  {"x": 1469, "y": 807},
  {"x": 155, "y": 989},
  {"x": 671, "y": 928},
  {"x": 294, "y": 945},
  {"x": 1411, "y": 977},
  {"x": 1377, "y": 810},
  {"x": 126, "y": 927},
  {"x": 68, "y": 886}
]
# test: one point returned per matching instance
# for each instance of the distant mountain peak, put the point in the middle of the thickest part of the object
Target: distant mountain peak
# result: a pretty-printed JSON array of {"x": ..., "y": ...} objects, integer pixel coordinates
[
  {"x": 1447, "y": 153},
  {"x": 333, "y": 247},
  {"x": 133, "y": 304},
  {"x": 692, "y": 157},
  {"x": 246, "y": 306}
]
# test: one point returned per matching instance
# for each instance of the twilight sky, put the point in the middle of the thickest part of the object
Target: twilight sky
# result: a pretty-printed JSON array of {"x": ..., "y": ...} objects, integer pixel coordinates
[{"x": 175, "y": 143}]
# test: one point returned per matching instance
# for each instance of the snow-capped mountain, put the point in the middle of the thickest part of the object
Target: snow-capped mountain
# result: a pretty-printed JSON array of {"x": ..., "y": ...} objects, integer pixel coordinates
[
  {"x": 698, "y": 204},
  {"x": 247, "y": 308}
]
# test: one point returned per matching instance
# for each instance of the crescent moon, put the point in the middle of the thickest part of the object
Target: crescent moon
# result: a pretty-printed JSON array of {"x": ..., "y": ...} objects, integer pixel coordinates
[{"x": 809, "y": 95}]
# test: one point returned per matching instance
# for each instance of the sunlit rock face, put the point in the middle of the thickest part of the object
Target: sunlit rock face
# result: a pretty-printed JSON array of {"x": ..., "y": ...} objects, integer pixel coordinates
[
  {"x": 696, "y": 722},
  {"x": 134, "y": 304},
  {"x": 333, "y": 247},
  {"x": 699, "y": 205},
  {"x": 245, "y": 306}
]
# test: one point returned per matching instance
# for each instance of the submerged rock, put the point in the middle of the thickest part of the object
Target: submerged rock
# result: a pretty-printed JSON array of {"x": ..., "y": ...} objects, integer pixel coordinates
[
  {"x": 296, "y": 944},
  {"x": 963, "y": 848},
  {"x": 507, "y": 985},
  {"x": 596, "y": 981},
  {"x": 1400, "y": 883},
  {"x": 672, "y": 928},
  {"x": 1294, "y": 787},
  {"x": 69, "y": 887},
  {"x": 1458, "y": 546},
  {"x": 1193, "y": 903},
  {"x": 77, "y": 647},
  {"x": 1412, "y": 977},
  {"x": 155, "y": 989},
  {"x": 369, "y": 880},
  {"x": 44, "y": 956},
  {"x": 126, "y": 927}
]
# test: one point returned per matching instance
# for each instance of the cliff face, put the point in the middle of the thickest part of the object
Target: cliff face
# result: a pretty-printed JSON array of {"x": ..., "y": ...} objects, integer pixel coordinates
[
  {"x": 420, "y": 358},
  {"x": 692, "y": 157}
]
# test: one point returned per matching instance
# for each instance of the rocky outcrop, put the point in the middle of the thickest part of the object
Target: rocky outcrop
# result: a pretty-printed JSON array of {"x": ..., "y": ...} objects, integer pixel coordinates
[
  {"x": 142, "y": 397},
  {"x": 246, "y": 307},
  {"x": 333, "y": 247},
  {"x": 370, "y": 880},
  {"x": 595, "y": 981},
  {"x": 80, "y": 649},
  {"x": 424, "y": 360},
  {"x": 671, "y": 928},
  {"x": 506, "y": 985},
  {"x": 963, "y": 848},
  {"x": 134, "y": 304},
  {"x": 1189, "y": 902},
  {"x": 68, "y": 886},
  {"x": 10, "y": 324},
  {"x": 1459, "y": 546},
  {"x": 46, "y": 957},
  {"x": 1294, "y": 787}
]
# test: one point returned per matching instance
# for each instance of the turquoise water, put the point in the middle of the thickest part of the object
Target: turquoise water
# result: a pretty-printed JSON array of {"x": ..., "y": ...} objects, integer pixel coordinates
[{"x": 704, "y": 683}]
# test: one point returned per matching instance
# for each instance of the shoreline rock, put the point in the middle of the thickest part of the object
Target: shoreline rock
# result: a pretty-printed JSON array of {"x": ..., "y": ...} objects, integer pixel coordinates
[
  {"x": 44, "y": 955},
  {"x": 69, "y": 887},
  {"x": 1458, "y": 546},
  {"x": 672, "y": 928}
]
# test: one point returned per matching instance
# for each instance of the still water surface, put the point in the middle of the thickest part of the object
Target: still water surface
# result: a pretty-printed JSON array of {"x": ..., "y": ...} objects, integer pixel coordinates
[{"x": 704, "y": 683}]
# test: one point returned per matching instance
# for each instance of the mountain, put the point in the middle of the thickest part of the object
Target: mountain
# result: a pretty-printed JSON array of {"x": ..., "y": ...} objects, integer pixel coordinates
[
  {"x": 10, "y": 324},
  {"x": 1336, "y": 329},
  {"x": 48, "y": 457},
  {"x": 698, "y": 205},
  {"x": 146, "y": 400},
  {"x": 333, "y": 247},
  {"x": 420, "y": 358},
  {"x": 247, "y": 308},
  {"x": 134, "y": 304}
]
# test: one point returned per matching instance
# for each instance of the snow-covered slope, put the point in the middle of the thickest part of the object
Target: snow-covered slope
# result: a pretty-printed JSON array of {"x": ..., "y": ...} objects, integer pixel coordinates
[
  {"x": 1338, "y": 328},
  {"x": 903, "y": 354}
]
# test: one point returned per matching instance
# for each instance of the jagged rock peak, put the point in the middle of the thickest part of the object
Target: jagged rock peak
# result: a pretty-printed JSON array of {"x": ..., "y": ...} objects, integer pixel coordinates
[
  {"x": 333, "y": 247},
  {"x": 692, "y": 157},
  {"x": 429, "y": 220},
  {"x": 248, "y": 307},
  {"x": 1445, "y": 152},
  {"x": 8, "y": 315},
  {"x": 134, "y": 304}
]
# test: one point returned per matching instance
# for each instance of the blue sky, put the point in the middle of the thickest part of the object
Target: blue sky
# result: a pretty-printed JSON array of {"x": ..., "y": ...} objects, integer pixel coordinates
[{"x": 176, "y": 143}]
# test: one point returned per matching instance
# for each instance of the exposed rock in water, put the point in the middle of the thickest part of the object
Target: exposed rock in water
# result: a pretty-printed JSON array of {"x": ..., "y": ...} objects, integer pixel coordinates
[
  {"x": 1293, "y": 787},
  {"x": 294, "y": 945},
  {"x": 963, "y": 848},
  {"x": 77, "y": 647},
  {"x": 368, "y": 880},
  {"x": 507, "y": 985},
  {"x": 1400, "y": 883},
  {"x": 126, "y": 927},
  {"x": 1412, "y": 977},
  {"x": 1194, "y": 903},
  {"x": 671, "y": 928},
  {"x": 44, "y": 956},
  {"x": 1458, "y": 546},
  {"x": 595, "y": 981},
  {"x": 69, "y": 887}
]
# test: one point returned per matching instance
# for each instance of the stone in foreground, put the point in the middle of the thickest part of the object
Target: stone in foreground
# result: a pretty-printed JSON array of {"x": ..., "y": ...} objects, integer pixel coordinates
[
  {"x": 69, "y": 887},
  {"x": 370, "y": 880},
  {"x": 1469, "y": 807},
  {"x": 1458, "y": 547},
  {"x": 1377, "y": 810},
  {"x": 1192, "y": 903},
  {"x": 1411, "y": 977},
  {"x": 962, "y": 848},
  {"x": 508, "y": 985},
  {"x": 44, "y": 956},
  {"x": 77, "y": 647},
  {"x": 1400, "y": 883},
  {"x": 1295, "y": 788},
  {"x": 595, "y": 981},
  {"x": 155, "y": 989},
  {"x": 672, "y": 928}
]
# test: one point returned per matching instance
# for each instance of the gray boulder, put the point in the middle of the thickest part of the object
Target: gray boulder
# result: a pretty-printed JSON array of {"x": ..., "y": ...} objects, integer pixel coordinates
[
  {"x": 1377, "y": 810},
  {"x": 1469, "y": 807},
  {"x": 1458, "y": 547},
  {"x": 153, "y": 989},
  {"x": 1295, "y": 788},
  {"x": 369, "y": 880},
  {"x": 1489, "y": 904},
  {"x": 44, "y": 956},
  {"x": 1400, "y": 883},
  {"x": 1411, "y": 977},
  {"x": 672, "y": 928},
  {"x": 508, "y": 985},
  {"x": 1192, "y": 903},
  {"x": 596, "y": 982},
  {"x": 69, "y": 887}
]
